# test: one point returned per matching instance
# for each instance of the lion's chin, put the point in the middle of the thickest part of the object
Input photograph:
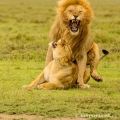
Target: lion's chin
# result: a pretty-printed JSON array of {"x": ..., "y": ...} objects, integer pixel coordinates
[{"x": 74, "y": 33}]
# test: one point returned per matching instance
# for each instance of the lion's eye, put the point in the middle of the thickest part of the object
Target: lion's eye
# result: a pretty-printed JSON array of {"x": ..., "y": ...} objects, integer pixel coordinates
[
  {"x": 80, "y": 11},
  {"x": 63, "y": 44},
  {"x": 71, "y": 11}
]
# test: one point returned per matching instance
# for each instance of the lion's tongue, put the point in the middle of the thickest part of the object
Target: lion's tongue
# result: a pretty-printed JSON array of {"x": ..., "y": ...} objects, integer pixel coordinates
[{"x": 74, "y": 26}]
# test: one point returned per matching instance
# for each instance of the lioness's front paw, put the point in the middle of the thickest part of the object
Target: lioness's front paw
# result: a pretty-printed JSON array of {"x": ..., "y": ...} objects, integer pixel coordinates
[
  {"x": 84, "y": 86},
  {"x": 27, "y": 87}
]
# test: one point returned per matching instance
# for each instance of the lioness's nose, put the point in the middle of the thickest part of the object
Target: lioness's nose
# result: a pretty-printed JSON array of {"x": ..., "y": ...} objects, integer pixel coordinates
[{"x": 54, "y": 44}]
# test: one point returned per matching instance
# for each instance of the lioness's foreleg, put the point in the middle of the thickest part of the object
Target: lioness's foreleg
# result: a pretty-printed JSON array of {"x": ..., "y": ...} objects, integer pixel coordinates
[
  {"x": 40, "y": 79},
  {"x": 49, "y": 56},
  {"x": 93, "y": 59}
]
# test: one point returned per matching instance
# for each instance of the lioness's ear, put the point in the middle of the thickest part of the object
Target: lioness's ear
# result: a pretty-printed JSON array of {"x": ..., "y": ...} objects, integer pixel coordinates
[{"x": 64, "y": 60}]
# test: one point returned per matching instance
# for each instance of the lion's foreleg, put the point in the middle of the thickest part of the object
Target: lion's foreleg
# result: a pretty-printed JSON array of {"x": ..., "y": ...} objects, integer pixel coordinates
[
  {"x": 86, "y": 77},
  {"x": 49, "y": 56},
  {"x": 81, "y": 62}
]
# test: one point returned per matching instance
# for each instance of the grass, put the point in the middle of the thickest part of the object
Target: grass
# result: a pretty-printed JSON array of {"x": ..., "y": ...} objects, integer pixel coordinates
[{"x": 24, "y": 29}]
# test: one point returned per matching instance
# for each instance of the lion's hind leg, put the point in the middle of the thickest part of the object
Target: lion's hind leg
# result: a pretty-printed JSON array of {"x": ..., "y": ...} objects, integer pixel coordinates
[{"x": 93, "y": 57}]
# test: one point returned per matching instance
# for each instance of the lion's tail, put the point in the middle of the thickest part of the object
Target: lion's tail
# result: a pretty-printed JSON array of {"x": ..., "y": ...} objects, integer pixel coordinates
[{"x": 105, "y": 52}]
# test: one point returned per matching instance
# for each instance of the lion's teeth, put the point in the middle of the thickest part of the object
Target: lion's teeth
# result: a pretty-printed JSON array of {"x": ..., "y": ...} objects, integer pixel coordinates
[{"x": 77, "y": 22}]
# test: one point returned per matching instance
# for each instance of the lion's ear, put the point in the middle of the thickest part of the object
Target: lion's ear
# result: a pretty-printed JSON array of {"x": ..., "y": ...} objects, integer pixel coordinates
[{"x": 64, "y": 60}]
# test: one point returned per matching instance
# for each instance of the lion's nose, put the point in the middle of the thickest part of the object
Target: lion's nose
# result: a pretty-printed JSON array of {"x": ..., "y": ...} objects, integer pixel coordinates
[{"x": 75, "y": 16}]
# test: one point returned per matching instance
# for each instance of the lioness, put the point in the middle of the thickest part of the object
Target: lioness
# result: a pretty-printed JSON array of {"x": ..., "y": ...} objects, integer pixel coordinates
[{"x": 61, "y": 73}]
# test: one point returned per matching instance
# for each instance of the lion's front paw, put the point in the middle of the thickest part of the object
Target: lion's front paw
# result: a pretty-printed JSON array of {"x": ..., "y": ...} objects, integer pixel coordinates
[
  {"x": 84, "y": 86},
  {"x": 27, "y": 87},
  {"x": 96, "y": 77}
]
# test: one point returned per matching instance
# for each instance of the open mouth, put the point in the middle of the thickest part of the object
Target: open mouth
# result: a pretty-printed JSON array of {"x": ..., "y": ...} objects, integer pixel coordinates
[{"x": 74, "y": 25}]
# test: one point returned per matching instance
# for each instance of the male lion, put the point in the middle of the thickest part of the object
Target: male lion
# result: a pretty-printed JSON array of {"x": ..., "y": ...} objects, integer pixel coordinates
[
  {"x": 73, "y": 23},
  {"x": 61, "y": 73}
]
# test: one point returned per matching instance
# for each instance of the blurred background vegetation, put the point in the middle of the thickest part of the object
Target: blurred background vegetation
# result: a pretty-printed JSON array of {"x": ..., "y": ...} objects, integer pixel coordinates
[{"x": 25, "y": 25}]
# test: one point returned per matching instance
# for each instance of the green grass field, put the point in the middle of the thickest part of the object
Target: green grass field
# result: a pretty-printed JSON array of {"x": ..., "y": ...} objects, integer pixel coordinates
[{"x": 24, "y": 29}]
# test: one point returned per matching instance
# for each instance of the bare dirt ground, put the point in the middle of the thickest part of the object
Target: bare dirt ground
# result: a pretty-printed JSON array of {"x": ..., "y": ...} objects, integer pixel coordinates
[{"x": 32, "y": 117}]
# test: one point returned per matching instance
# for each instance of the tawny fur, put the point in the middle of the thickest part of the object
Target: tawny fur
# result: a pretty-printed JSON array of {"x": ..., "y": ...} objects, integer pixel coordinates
[{"x": 84, "y": 49}]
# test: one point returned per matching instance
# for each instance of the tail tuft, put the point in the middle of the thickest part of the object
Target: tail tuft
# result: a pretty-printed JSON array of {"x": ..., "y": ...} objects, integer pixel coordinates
[{"x": 105, "y": 52}]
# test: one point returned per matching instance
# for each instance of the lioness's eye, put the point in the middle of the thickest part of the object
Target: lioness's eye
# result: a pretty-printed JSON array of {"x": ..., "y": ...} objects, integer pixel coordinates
[{"x": 80, "y": 11}]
